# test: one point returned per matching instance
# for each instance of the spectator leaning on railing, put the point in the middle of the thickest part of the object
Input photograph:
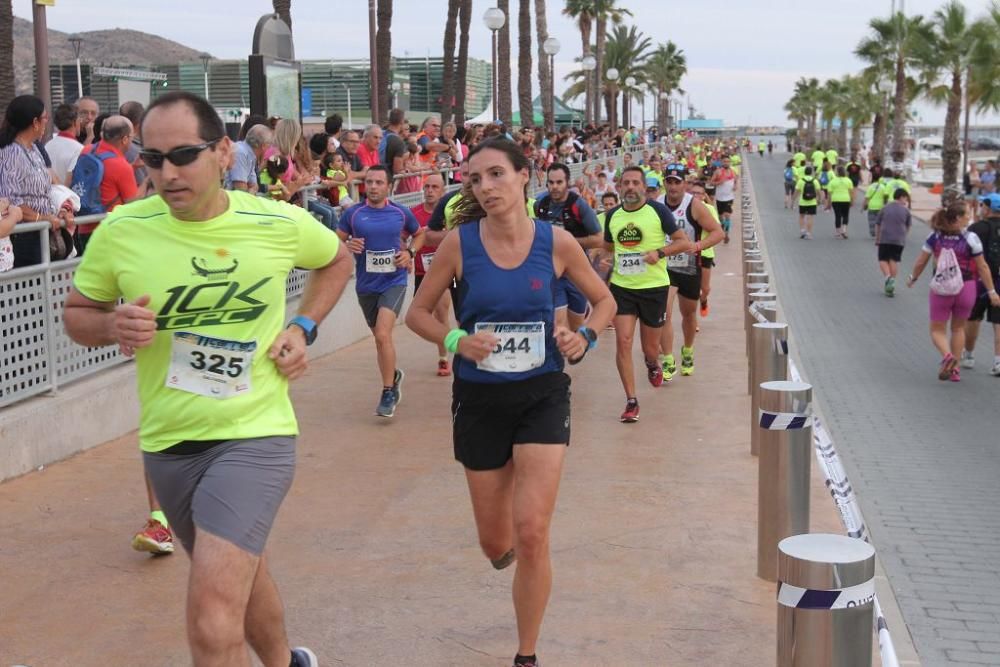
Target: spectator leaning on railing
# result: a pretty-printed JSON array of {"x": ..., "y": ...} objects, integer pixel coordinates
[
  {"x": 248, "y": 155},
  {"x": 25, "y": 181}
]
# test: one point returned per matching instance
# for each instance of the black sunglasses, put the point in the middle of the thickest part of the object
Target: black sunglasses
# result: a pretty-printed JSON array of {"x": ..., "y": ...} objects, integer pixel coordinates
[{"x": 178, "y": 157}]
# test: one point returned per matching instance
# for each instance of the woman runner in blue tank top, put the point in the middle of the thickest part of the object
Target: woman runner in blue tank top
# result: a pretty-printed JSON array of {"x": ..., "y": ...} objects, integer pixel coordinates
[{"x": 510, "y": 399}]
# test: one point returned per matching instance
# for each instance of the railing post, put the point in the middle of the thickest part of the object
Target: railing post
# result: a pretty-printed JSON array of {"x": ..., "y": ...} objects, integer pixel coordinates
[
  {"x": 768, "y": 361},
  {"x": 826, "y": 601},
  {"x": 783, "y": 465}
]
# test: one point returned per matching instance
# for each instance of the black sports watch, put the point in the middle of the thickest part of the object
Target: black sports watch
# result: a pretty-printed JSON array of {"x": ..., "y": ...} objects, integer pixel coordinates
[
  {"x": 309, "y": 328},
  {"x": 660, "y": 253},
  {"x": 589, "y": 335}
]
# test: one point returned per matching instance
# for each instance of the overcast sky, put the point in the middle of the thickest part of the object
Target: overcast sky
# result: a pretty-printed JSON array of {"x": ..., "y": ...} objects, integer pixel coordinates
[{"x": 743, "y": 61}]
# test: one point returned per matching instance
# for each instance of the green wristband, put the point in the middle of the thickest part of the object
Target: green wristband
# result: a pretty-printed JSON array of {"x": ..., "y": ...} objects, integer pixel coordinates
[{"x": 451, "y": 340}]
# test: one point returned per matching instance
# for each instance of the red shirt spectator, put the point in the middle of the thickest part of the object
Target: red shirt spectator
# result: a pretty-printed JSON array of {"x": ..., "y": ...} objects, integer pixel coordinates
[{"x": 118, "y": 185}]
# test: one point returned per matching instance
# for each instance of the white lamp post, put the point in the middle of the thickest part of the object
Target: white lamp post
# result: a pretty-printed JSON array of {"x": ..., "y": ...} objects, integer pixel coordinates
[
  {"x": 551, "y": 48},
  {"x": 205, "y": 57},
  {"x": 627, "y": 99},
  {"x": 350, "y": 119},
  {"x": 494, "y": 18},
  {"x": 589, "y": 64},
  {"x": 76, "y": 41},
  {"x": 396, "y": 87},
  {"x": 612, "y": 76}
]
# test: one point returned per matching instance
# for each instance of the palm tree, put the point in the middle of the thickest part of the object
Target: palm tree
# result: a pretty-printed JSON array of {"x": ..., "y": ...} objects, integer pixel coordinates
[
  {"x": 894, "y": 45},
  {"x": 626, "y": 50},
  {"x": 806, "y": 96},
  {"x": 605, "y": 11},
  {"x": 797, "y": 111},
  {"x": 448, "y": 61},
  {"x": 862, "y": 103},
  {"x": 947, "y": 57},
  {"x": 663, "y": 72},
  {"x": 464, "y": 21},
  {"x": 6, "y": 53},
  {"x": 582, "y": 12},
  {"x": 503, "y": 112},
  {"x": 984, "y": 79},
  {"x": 524, "y": 62},
  {"x": 544, "y": 73},
  {"x": 283, "y": 8},
  {"x": 383, "y": 50}
]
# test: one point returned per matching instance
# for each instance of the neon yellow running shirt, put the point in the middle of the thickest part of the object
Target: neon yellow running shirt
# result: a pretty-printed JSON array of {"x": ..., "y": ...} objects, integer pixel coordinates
[
  {"x": 218, "y": 290},
  {"x": 634, "y": 233}
]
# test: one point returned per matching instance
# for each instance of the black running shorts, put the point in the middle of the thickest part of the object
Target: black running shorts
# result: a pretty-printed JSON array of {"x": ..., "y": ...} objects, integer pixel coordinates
[
  {"x": 649, "y": 305},
  {"x": 807, "y": 210},
  {"x": 688, "y": 284},
  {"x": 488, "y": 420},
  {"x": 983, "y": 309},
  {"x": 888, "y": 252},
  {"x": 724, "y": 206}
]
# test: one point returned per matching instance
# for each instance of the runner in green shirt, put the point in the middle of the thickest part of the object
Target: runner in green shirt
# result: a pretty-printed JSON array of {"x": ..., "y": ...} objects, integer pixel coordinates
[
  {"x": 809, "y": 191},
  {"x": 202, "y": 273},
  {"x": 841, "y": 190}
]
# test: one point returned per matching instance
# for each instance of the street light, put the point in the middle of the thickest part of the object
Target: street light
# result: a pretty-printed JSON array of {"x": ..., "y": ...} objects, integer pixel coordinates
[
  {"x": 350, "y": 119},
  {"x": 627, "y": 99},
  {"x": 494, "y": 18},
  {"x": 205, "y": 57},
  {"x": 589, "y": 64},
  {"x": 76, "y": 41},
  {"x": 551, "y": 47},
  {"x": 396, "y": 87},
  {"x": 612, "y": 76}
]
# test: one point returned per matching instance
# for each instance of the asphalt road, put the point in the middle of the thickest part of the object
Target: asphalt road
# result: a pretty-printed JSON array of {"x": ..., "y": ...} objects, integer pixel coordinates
[{"x": 923, "y": 455}]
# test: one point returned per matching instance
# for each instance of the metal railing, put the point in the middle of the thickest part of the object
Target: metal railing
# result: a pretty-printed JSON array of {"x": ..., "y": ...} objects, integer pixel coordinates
[{"x": 36, "y": 355}]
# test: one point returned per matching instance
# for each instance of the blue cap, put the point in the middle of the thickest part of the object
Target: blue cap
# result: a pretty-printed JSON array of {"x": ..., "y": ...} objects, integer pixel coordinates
[
  {"x": 993, "y": 199},
  {"x": 652, "y": 182}
]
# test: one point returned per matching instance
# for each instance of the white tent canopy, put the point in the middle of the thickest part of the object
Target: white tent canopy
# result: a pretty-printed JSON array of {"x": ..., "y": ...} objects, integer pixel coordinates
[{"x": 485, "y": 118}]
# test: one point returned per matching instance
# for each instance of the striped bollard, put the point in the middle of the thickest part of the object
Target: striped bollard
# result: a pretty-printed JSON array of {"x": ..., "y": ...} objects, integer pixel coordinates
[
  {"x": 760, "y": 277},
  {"x": 768, "y": 361},
  {"x": 783, "y": 464},
  {"x": 826, "y": 601},
  {"x": 754, "y": 297},
  {"x": 748, "y": 289}
]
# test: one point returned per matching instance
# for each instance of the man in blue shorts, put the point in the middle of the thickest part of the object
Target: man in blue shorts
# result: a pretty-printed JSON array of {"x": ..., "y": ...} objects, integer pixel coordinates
[{"x": 373, "y": 231}]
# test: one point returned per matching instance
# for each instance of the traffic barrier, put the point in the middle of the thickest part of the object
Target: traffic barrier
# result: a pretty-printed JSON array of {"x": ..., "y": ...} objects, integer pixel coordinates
[
  {"x": 768, "y": 362},
  {"x": 783, "y": 468},
  {"x": 826, "y": 595}
]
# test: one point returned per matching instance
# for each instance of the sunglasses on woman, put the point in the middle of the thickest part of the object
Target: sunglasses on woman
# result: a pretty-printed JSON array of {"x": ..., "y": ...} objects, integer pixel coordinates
[{"x": 178, "y": 157}]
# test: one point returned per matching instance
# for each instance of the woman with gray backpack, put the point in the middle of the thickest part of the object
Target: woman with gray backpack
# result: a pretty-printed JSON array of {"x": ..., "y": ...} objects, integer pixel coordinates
[{"x": 958, "y": 263}]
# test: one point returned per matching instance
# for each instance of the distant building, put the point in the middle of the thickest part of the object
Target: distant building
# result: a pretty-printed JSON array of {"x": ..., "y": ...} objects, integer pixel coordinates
[{"x": 324, "y": 84}]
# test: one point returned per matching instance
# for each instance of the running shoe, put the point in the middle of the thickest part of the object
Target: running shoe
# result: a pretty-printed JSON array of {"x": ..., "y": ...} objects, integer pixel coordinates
[
  {"x": 808, "y": 237},
  {"x": 631, "y": 414},
  {"x": 802, "y": 234},
  {"x": 955, "y": 376},
  {"x": 397, "y": 385},
  {"x": 704, "y": 308},
  {"x": 725, "y": 239},
  {"x": 303, "y": 657},
  {"x": 444, "y": 368},
  {"x": 995, "y": 371},
  {"x": 843, "y": 234},
  {"x": 669, "y": 367},
  {"x": 687, "y": 361},
  {"x": 387, "y": 404},
  {"x": 948, "y": 364},
  {"x": 968, "y": 361},
  {"x": 531, "y": 661},
  {"x": 890, "y": 286},
  {"x": 154, "y": 538},
  {"x": 655, "y": 374}
]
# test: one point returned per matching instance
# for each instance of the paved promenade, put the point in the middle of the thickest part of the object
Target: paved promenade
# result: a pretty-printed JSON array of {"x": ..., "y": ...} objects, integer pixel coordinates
[
  {"x": 923, "y": 455},
  {"x": 375, "y": 549}
]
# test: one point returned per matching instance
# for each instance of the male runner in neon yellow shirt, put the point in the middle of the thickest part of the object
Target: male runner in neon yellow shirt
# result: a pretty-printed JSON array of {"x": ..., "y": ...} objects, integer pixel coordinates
[{"x": 202, "y": 272}]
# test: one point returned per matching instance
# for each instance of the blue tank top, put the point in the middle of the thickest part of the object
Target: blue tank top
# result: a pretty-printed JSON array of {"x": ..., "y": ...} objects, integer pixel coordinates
[{"x": 514, "y": 304}]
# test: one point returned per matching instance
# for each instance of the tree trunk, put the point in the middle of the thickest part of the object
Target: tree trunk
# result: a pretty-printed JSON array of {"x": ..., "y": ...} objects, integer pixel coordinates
[
  {"x": 383, "y": 47},
  {"x": 448, "y": 63},
  {"x": 842, "y": 138},
  {"x": 855, "y": 137},
  {"x": 464, "y": 21},
  {"x": 878, "y": 135},
  {"x": 899, "y": 114},
  {"x": 503, "y": 67},
  {"x": 585, "y": 44},
  {"x": 283, "y": 8},
  {"x": 524, "y": 63},
  {"x": 800, "y": 125},
  {"x": 6, "y": 53},
  {"x": 602, "y": 28},
  {"x": 544, "y": 71},
  {"x": 951, "y": 152}
]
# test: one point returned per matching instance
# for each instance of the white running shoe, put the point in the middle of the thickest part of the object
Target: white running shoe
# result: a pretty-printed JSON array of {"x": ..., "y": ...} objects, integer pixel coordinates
[
  {"x": 968, "y": 361},
  {"x": 995, "y": 371}
]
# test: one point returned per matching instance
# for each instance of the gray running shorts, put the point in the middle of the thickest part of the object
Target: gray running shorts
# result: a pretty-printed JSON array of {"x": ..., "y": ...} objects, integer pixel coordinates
[
  {"x": 391, "y": 299},
  {"x": 232, "y": 490}
]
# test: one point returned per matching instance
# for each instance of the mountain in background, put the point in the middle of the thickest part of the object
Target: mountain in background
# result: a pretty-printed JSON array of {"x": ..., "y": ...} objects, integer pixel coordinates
[{"x": 111, "y": 47}]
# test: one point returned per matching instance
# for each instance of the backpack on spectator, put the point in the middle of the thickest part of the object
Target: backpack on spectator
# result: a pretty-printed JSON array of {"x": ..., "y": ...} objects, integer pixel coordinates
[
  {"x": 809, "y": 189},
  {"x": 947, "y": 279},
  {"x": 87, "y": 176},
  {"x": 789, "y": 175}
]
